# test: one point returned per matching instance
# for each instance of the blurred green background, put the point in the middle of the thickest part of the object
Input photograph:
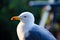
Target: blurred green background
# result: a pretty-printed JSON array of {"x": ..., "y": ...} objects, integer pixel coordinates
[{"x": 9, "y": 8}]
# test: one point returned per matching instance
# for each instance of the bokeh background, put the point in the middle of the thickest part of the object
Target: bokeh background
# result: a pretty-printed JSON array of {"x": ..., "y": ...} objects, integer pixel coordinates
[{"x": 9, "y": 8}]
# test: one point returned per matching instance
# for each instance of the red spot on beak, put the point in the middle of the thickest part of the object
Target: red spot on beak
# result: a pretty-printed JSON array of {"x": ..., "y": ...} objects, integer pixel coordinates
[{"x": 13, "y": 18}]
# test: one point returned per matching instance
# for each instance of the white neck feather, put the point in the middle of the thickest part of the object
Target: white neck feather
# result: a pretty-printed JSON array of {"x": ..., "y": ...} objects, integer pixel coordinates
[
  {"x": 23, "y": 29},
  {"x": 26, "y": 26}
]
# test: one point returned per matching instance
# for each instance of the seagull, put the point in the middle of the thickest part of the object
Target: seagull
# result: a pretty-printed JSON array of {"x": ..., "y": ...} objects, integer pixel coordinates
[{"x": 28, "y": 30}]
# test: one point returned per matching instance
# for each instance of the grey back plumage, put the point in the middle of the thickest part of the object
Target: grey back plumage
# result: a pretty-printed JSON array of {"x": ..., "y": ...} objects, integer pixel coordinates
[{"x": 37, "y": 33}]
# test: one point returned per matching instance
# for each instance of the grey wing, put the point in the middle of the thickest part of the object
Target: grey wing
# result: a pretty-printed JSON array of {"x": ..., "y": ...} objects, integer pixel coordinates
[
  {"x": 44, "y": 32},
  {"x": 40, "y": 34}
]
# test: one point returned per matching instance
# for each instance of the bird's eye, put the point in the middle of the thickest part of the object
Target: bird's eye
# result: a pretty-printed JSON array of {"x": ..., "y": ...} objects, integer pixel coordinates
[{"x": 24, "y": 16}]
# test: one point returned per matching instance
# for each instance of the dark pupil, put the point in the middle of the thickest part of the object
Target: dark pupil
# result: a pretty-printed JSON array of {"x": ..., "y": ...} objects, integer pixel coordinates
[{"x": 24, "y": 16}]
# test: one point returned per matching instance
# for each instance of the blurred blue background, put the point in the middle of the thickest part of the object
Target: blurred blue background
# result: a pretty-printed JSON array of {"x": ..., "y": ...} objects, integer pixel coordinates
[{"x": 9, "y": 8}]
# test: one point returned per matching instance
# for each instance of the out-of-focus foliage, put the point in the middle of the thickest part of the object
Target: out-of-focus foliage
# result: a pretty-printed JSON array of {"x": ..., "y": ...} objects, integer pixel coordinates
[{"x": 9, "y": 8}]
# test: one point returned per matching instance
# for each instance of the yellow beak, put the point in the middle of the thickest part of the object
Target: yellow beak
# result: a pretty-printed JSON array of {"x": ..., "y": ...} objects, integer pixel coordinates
[{"x": 15, "y": 18}]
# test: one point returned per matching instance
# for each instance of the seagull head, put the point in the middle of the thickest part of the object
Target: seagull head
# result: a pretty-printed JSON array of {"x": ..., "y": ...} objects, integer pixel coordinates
[{"x": 25, "y": 17}]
